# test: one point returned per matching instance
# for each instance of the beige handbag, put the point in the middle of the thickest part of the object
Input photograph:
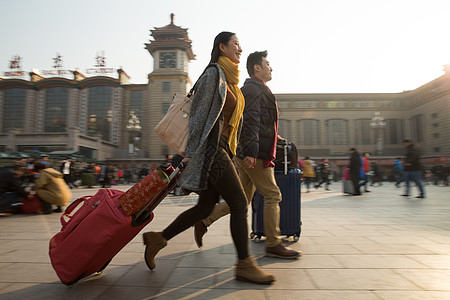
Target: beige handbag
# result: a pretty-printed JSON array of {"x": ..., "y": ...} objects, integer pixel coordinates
[{"x": 173, "y": 129}]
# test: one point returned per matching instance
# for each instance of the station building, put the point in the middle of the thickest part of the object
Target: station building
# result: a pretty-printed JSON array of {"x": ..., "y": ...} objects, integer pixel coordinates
[{"x": 106, "y": 118}]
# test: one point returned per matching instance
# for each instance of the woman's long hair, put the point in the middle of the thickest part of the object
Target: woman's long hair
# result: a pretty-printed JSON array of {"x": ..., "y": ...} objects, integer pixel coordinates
[{"x": 222, "y": 38}]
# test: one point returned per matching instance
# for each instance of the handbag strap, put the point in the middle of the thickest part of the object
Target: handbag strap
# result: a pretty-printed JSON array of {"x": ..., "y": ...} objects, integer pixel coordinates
[{"x": 195, "y": 84}]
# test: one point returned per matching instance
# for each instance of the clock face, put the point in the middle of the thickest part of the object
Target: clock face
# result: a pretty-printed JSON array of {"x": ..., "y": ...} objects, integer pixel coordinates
[{"x": 167, "y": 60}]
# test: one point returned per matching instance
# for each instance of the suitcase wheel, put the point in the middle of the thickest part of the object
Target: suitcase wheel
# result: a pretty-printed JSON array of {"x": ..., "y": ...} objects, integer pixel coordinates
[
  {"x": 252, "y": 235},
  {"x": 103, "y": 268},
  {"x": 296, "y": 238},
  {"x": 257, "y": 239}
]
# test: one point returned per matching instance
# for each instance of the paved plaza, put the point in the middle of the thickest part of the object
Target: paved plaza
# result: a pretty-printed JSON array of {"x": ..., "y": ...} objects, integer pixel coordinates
[{"x": 376, "y": 246}]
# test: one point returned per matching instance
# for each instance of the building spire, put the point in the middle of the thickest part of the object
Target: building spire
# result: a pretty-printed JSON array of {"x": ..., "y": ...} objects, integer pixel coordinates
[{"x": 172, "y": 17}]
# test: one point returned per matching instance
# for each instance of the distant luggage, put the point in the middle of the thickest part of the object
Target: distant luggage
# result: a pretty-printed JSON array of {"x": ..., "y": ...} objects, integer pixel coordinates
[
  {"x": 31, "y": 205},
  {"x": 95, "y": 228},
  {"x": 10, "y": 203},
  {"x": 286, "y": 157},
  {"x": 290, "y": 206}
]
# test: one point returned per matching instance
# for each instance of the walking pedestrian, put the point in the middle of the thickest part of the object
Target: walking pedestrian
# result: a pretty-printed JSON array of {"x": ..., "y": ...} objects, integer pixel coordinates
[
  {"x": 413, "y": 168},
  {"x": 355, "y": 170},
  {"x": 323, "y": 173},
  {"x": 365, "y": 171},
  {"x": 308, "y": 172}
]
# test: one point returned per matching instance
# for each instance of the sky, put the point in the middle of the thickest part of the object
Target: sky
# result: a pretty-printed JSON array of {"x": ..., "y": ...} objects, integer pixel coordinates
[{"x": 315, "y": 46}]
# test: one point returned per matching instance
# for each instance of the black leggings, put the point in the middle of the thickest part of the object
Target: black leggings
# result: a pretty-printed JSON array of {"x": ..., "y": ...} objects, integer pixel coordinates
[{"x": 223, "y": 181}]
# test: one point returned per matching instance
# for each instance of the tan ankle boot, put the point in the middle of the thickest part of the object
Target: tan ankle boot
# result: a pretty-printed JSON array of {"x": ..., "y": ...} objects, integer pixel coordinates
[
  {"x": 154, "y": 242},
  {"x": 248, "y": 270}
]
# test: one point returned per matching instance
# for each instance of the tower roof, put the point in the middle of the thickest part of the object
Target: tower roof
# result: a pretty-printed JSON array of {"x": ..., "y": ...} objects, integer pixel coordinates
[{"x": 170, "y": 36}]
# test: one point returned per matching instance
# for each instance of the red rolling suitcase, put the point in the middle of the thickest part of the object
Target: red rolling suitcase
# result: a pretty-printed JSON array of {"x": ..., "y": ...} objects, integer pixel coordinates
[{"x": 95, "y": 228}]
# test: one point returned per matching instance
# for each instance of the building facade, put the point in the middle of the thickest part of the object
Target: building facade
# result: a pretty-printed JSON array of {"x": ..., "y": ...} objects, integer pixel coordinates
[{"x": 107, "y": 118}]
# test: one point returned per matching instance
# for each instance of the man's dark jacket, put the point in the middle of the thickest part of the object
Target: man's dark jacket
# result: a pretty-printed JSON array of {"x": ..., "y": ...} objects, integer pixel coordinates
[
  {"x": 260, "y": 118},
  {"x": 355, "y": 164},
  {"x": 9, "y": 182},
  {"x": 412, "y": 158}
]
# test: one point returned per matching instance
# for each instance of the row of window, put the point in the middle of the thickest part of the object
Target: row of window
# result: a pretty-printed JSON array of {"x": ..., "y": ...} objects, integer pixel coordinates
[
  {"x": 100, "y": 110},
  {"x": 337, "y": 131},
  {"x": 56, "y": 101}
]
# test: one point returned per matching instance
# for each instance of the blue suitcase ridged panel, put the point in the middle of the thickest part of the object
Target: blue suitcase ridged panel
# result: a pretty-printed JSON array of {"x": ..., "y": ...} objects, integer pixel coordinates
[{"x": 290, "y": 206}]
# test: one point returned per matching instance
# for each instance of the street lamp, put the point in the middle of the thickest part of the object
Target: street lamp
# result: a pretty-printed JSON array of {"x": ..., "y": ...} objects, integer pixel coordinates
[
  {"x": 378, "y": 124},
  {"x": 134, "y": 128}
]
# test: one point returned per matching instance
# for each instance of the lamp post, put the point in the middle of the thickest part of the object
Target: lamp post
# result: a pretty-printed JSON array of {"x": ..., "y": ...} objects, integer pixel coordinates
[
  {"x": 134, "y": 128},
  {"x": 378, "y": 124}
]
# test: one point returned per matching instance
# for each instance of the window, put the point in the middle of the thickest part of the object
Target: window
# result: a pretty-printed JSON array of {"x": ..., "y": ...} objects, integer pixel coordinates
[
  {"x": 337, "y": 132},
  {"x": 284, "y": 129},
  {"x": 166, "y": 87},
  {"x": 309, "y": 132},
  {"x": 165, "y": 107},
  {"x": 136, "y": 101},
  {"x": 14, "y": 109},
  {"x": 56, "y": 109},
  {"x": 364, "y": 133},
  {"x": 394, "y": 131},
  {"x": 135, "y": 118},
  {"x": 417, "y": 128},
  {"x": 434, "y": 115},
  {"x": 100, "y": 112}
]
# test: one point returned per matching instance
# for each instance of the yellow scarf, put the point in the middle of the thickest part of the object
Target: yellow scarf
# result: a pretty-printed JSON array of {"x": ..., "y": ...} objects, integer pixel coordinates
[{"x": 232, "y": 74}]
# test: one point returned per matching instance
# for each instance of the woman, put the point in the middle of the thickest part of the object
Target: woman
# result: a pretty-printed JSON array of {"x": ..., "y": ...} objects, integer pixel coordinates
[
  {"x": 215, "y": 123},
  {"x": 308, "y": 172},
  {"x": 51, "y": 188}
]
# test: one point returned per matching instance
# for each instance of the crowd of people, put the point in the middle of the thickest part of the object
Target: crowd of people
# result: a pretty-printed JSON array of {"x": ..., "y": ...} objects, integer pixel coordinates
[{"x": 51, "y": 181}]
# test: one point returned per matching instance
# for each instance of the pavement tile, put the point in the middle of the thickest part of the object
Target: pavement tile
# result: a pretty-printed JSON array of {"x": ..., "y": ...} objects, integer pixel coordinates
[
  {"x": 379, "y": 262},
  {"x": 359, "y": 279},
  {"x": 50, "y": 291},
  {"x": 430, "y": 279},
  {"x": 412, "y": 295},
  {"x": 433, "y": 261},
  {"x": 391, "y": 249},
  {"x": 321, "y": 295},
  {"x": 212, "y": 293}
]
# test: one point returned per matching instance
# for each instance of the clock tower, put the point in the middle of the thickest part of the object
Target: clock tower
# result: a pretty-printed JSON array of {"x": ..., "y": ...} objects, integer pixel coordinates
[{"x": 171, "y": 51}]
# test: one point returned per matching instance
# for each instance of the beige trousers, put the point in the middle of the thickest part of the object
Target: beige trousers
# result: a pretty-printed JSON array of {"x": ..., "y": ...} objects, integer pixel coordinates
[{"x": 263, "y": 180}]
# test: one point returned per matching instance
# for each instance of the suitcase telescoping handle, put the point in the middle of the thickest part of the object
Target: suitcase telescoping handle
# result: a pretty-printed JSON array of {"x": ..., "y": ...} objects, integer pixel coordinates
[{"x": 143, "y": 215}]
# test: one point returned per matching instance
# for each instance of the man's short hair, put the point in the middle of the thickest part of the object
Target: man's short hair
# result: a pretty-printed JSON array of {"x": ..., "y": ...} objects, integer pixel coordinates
[{"x": 253, "y": 59}]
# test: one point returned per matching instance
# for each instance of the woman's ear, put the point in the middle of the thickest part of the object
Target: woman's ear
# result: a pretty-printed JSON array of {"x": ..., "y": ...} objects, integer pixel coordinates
[{"x": 222, "y": 48}]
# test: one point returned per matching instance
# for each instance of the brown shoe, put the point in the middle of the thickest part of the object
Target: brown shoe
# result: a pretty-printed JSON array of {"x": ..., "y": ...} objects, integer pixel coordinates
[
  {"x": 248, "y": 270},
  {"x": 281, "y": 251},
  {"x": 199, "y": 231},
  {"x": 154, "y": 242}
]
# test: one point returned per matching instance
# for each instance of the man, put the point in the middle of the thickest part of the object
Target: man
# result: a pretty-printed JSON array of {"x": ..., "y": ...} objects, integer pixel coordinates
[
  {"x": 255, "y": 155},
  {"x": 413, "y": 168},
  {"x": 10, "y": 188},
  {"x": 365, "y": 165},
  {"x": 67, "y": 169},
  {"x": 323, "y": 173},
  {"x": 355, "y": 170},
  {"x": 398, "y": 171}
]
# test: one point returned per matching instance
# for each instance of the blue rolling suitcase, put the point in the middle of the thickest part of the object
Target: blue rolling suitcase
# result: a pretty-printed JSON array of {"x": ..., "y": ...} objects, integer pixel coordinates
[{"x": 290, "y": 207}]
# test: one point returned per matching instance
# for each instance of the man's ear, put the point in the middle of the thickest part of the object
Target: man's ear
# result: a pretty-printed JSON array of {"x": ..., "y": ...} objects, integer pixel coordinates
[{"x": 257, "y": 68}]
